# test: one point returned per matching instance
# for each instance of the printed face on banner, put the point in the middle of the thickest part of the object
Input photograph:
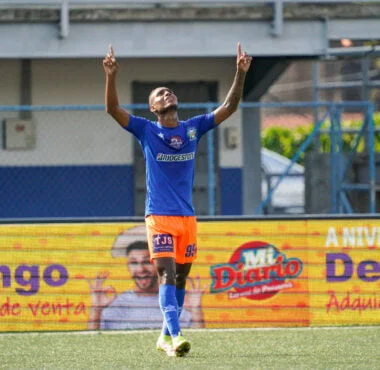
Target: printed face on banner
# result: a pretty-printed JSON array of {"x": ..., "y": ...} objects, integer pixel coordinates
[{"x": 247, "y": 274}]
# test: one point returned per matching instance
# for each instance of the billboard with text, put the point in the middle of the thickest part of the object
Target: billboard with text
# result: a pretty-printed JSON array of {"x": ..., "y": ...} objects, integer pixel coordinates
[{"x": 249, "y": 273}]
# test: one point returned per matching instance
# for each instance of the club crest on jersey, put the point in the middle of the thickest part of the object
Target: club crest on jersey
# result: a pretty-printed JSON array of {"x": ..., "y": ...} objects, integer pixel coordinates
[
  {"x": 192, "y": 133},
  {"x": 176, "y": 142}
]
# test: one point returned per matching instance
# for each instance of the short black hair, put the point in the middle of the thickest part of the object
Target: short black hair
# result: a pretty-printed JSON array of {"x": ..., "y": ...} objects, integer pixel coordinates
[{"x": 139, "y": 245}]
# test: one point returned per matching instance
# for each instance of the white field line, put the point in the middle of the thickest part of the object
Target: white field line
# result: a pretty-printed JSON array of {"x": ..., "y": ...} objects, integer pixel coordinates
[{"x": 127, "y": 332}]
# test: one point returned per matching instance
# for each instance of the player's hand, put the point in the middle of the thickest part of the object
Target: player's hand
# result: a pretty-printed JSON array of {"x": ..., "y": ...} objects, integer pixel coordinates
[
  {"x": 193, "y": 297},
  {"x": 101, "y": 295},
  {"x": 110, "y": 65},
  {"x": 243, "y": 61}
]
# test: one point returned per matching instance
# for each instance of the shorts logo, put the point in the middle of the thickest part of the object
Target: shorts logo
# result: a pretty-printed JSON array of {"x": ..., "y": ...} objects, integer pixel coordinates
[
  {"x": 162, "y": 243},
  {"x": 192, "y": 133},
  {"x": 176, "y": 142}
]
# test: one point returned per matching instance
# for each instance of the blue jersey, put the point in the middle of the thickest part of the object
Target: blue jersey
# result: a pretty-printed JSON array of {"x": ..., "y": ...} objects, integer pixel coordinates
[{"x": 170, "y": 159}]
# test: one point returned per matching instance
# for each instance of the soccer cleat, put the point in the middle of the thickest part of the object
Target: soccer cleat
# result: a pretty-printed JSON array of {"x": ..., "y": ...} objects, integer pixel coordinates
[
  {"x": 164, "y": 343},
  {"x": 181, "y": 346}
]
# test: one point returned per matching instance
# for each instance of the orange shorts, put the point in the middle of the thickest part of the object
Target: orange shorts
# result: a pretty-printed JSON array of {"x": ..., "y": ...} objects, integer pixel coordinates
[{"x": 172, "y": 236}]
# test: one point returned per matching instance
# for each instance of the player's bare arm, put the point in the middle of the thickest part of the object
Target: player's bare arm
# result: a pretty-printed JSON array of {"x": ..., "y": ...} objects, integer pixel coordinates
[
  {"x": 113, "y": 108},
  {"x": 231, "y": 103}
]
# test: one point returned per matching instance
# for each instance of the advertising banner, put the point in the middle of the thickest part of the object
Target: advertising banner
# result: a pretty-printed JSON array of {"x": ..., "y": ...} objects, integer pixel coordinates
[
  {"x": 46, "y": 272},
  {"x": 344, "y": 272},
  {"x": 280, "y": 273},
  {"x": 256, "y": 273}
]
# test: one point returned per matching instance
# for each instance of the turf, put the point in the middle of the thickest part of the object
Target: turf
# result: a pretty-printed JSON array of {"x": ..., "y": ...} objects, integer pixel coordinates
[{"x": 333, "y": 348}]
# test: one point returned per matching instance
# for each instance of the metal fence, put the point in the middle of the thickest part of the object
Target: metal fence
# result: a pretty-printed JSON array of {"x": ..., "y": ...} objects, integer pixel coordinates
[
  {"x": 74, "y": 161},
  {"x": 276, "y": 6}
]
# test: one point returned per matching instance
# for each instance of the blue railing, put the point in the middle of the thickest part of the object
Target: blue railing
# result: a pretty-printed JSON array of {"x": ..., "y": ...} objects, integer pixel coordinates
[
  {"x": 154, "y": 3},
  {"x": 340, "y": 185}
]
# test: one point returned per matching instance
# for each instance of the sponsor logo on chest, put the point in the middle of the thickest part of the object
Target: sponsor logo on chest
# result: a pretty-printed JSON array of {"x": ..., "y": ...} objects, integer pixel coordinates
[{"x": 176, "y": 142}]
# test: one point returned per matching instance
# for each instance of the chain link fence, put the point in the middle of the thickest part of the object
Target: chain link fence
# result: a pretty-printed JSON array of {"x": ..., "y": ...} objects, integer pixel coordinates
[{"x": 75, "y": 161}]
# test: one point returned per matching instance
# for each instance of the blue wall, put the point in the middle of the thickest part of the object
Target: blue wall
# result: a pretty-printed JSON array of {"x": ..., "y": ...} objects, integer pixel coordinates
[
  {"x": 87, "y": 191},
  {"x": 231, "y": 191},
  {"x": 66, "y": 191}
]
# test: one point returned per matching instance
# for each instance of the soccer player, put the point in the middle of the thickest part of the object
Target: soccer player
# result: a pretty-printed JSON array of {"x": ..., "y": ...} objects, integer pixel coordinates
[{"x": 169, "y": 147}]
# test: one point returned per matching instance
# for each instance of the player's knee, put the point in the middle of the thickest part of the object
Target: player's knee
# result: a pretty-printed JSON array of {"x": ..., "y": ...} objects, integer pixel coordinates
[
  {"x": 183, "y": 272},
  {"x": 166, "y": 271},
  {"x": 168, "y": 277},
  {"x": 181, "y": 280}
]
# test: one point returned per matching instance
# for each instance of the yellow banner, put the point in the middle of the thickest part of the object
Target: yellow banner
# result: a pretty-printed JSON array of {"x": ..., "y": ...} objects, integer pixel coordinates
[
  {"x": 47, "y": 271},
  {"x": 344, "y": 272},
  {"x": 256, "y": 273},
  {"x": 82, "y": 276}
]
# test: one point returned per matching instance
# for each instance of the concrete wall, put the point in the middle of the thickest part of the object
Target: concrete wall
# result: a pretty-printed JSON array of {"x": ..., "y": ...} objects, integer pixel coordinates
[{"x": 85, "y": 145}]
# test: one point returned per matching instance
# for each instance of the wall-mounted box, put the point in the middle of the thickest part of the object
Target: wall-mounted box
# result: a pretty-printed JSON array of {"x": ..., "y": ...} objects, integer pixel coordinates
[
  {"x": 231, "y": 138},
  {"x": 18, "y": 134}
]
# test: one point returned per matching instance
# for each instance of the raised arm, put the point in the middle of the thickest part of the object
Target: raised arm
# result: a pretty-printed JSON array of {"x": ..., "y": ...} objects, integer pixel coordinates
[
  {"x": 113, "y": 108},
  {"x": 231, "y": 103}
]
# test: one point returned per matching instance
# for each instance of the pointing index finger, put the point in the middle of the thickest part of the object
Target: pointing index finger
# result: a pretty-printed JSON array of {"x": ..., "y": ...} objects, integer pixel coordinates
[
  {"x": 111, "y": 52},
  {"x": 239, "y": 49}
]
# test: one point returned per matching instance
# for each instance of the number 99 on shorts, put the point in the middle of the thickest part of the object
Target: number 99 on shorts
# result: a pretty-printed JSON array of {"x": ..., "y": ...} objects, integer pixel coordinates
[{"x": 191, "y": 250}]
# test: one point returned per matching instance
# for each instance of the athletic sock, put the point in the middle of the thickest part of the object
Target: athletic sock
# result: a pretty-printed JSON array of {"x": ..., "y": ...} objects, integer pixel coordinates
[
  {"x": 180, "y": 295},
  {"x": 169, "y": 308}
]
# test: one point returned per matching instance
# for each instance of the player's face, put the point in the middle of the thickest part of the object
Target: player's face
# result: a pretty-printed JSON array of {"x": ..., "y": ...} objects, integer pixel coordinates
[
  {"x": 142, "y": 270},
  {"x": 162, "y": 99}
]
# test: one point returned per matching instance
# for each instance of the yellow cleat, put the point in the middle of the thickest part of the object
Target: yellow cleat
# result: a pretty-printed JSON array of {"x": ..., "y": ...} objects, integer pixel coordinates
[
  {"x": 181, "y": 346},
  {"x": 164, "y": 343}
]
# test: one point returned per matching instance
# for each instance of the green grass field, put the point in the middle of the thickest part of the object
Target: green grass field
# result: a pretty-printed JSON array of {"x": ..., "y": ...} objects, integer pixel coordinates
[{"x": 319, "y": 348}]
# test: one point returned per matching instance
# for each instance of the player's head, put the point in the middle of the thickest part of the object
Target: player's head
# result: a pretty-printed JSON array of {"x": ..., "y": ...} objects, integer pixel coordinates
[
  {"x": 162, "y": 100},
  {"x": 133, "y": 245}
]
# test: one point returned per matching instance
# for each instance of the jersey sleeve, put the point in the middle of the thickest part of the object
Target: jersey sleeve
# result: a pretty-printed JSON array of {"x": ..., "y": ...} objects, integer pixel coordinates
[
  {"x": 137, "y": 126},
  {"x": 204, "y": 123}
]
